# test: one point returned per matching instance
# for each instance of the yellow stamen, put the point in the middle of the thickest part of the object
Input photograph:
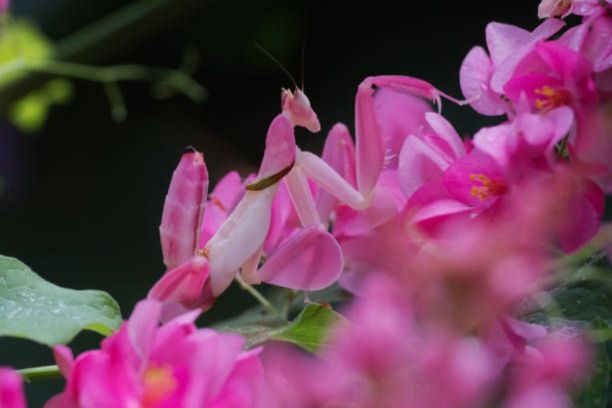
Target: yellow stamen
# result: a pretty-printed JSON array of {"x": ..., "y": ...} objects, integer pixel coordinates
[
  {"x": 549, "y": 98},
  {"x": 487, "y": 187},
  {"x": 159, "y": 382}
]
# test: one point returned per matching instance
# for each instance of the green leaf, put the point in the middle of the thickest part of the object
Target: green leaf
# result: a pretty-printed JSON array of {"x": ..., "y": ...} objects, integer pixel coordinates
[
  {"x": 585, "y": 302},
  {"x": 34, "y": 309},
  {"x": 309, "y": 330},
  {"x": 30, "y": 112},
  {"x": 588, "y": 301},
  {"x": 595, "y": 392}
]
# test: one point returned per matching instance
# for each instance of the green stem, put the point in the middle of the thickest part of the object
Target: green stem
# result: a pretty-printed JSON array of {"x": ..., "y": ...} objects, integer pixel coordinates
[
  {"x": 169, "y": 77},
  {"x": 265, "y": 303},
  {"x": 40, "y": 373},
  {"x": 116, "y": 101},
  {"x": 116, "y": 22},
  {"x": 113, "y": 35}
]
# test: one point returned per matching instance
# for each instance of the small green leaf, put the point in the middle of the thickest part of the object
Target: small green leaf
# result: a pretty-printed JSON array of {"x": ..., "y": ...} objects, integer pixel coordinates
[
  {"x": 34, "y": 309},
  {"x": 585, "y": 302},
  {"x": 589, "y": 301},
  {"x": 311, "y": 329}
]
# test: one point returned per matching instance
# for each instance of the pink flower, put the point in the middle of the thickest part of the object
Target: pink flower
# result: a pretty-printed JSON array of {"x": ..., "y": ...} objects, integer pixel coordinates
[
  {"x": 482, "y": 77},
  {"x": 592, "y": 40},
  {"x": 543, "y": 376},
  {"x": 507, "y": 156},
  {"x": 524, "y": 150},
  {"x": 592, "y": 147},
  {"x": 525, "y": 145},
  {"x": 383, "y": 357},
  {"x": 175, "y": 365},
  {"x": 425, "y": 156},
  {"x": 386, "y": 249},
  {"x": 440, "y": 180},
  {"x": 4, "y": 5},
  {"x": 551, "y": 77},
  {"x": 11, "y": 389}
]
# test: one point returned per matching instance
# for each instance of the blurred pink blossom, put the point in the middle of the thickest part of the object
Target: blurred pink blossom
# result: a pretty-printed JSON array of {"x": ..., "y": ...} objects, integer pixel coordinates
[
  {"x": 11, "y": 389},
  {"x": 175, "y": 365}
]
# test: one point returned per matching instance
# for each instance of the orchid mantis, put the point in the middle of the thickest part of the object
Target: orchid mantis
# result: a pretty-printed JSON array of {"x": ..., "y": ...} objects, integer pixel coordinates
[
  {"x": 204, "y": 254},
  {"x": 199, "y": 270}
]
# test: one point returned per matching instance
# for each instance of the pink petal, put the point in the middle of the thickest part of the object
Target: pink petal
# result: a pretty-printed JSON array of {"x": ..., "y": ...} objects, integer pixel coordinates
[
  {"x": 427, "y": 194},
  {"x": 419, "y": 163},
  {"x": 309, "y": 260},
  {"x": 211, "y": 356},
  {"x": 494, "y": 141},
  {"x": 539, "y": 396},
  {"x": 574, "y": 37},
  {"x": 547, "y": 130},
  {"x": 583, "y": 218},
  {"x": 64, "y": 359},
  {"x": 512, "y": 47},
  {"x": 503, "y": 40},
  {"x": 339, "y": 153},
  {"x": 142, "y": 325},
  {"x": 11, "y": 389},
  {"x": 474, "y": 77},
  {"x": 451, "y": 141},
  {"x": 527, "y": 85},
  {"x": 475, "y": 180},
  {"x": 246, "y": 385},
  {"x": 564, "y": 61},
  {"x": 59, "y": 401},
  {"x": 597, "y": 47},
  {"x": 440, "y": 209}
]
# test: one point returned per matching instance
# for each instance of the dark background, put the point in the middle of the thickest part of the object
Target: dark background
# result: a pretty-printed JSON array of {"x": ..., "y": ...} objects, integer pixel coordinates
[{"x": 84, "y": 195}]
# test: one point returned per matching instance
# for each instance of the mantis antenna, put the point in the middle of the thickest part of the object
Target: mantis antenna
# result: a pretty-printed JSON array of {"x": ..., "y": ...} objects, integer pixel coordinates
[
  {"x": 303, "y": 58},
  {"x": 262, "y": 49}
]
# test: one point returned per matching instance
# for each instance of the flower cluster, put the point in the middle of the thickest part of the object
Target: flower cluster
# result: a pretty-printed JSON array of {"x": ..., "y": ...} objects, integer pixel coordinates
[{"x": 441, "y": 240}]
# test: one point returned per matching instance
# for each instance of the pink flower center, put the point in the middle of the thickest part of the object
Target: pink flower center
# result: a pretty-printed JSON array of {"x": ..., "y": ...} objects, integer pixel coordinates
[
  {"x": 549, "y": 98},
  {"x": 487, "y": 187},
  {"x": 159, "y": 382}
]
